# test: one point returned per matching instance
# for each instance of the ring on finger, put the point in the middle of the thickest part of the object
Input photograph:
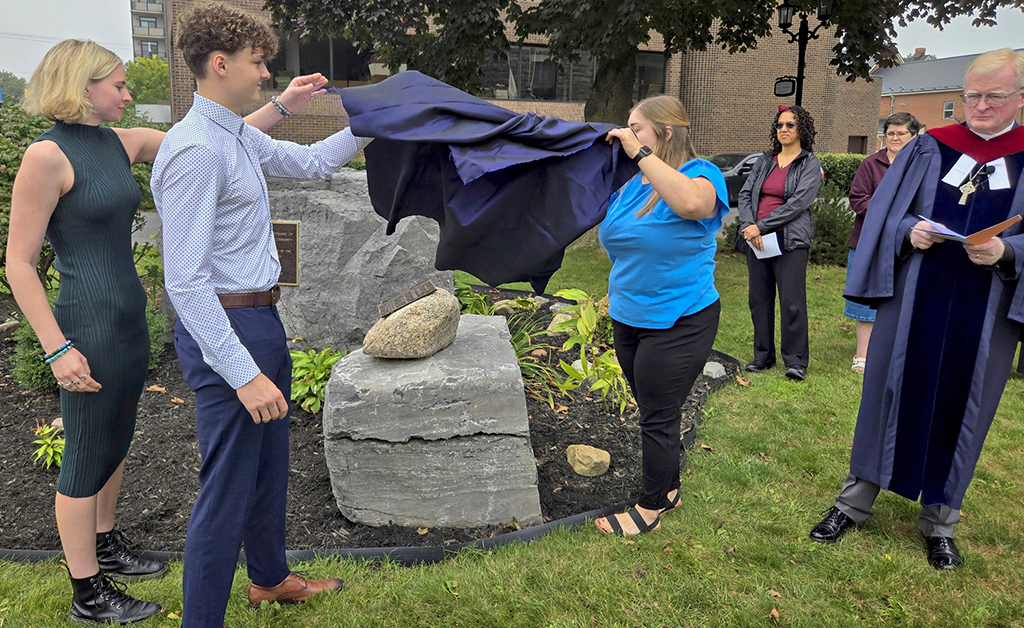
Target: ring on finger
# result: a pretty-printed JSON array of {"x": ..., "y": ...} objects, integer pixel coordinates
[{"x": 82, "y": 377}]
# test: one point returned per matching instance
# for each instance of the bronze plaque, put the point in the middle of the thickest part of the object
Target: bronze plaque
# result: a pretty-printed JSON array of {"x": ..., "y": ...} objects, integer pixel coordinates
[
  {"x": 286, "y": 236},
  {"x": 414, "y": 294}
]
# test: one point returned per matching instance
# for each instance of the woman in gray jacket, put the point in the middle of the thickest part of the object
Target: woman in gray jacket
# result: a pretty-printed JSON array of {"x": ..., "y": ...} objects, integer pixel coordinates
[{"x": 775, "y": 232}]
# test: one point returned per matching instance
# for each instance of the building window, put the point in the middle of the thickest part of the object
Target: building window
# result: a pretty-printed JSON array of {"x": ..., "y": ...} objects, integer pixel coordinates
[
  {"x": 857, "y": 144},
  {"x": 341, "y": 62},
  {"x": 947, "y": 111},
  {"x": 528, "y": 73},
  {"x": 147, "y": 22},
  {"x": 149, "y": 48}
]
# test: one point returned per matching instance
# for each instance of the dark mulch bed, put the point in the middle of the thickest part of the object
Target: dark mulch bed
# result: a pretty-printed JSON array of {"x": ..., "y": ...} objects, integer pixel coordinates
[{"x": 161, "y": 473}]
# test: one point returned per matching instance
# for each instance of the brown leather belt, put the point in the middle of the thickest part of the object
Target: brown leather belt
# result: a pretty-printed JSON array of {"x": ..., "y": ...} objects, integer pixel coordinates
[{"x": 251, "y": 299}]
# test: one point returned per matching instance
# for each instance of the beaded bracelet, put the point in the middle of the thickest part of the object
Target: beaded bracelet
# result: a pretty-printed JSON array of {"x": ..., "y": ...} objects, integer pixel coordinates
[
  {"x": 50, "y": 357},
  {"x": 274, "y": 100}
]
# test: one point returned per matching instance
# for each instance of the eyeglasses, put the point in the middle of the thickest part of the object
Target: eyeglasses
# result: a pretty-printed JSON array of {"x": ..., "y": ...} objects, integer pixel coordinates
[
  {"x": 788, "y": 125},
  {"x": 992, "y": 100},
  {"x": 892, "y": 134}
]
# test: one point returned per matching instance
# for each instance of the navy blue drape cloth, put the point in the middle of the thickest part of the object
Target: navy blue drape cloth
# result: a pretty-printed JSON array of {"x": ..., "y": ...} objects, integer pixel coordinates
[{"x": 510, "y": 191}]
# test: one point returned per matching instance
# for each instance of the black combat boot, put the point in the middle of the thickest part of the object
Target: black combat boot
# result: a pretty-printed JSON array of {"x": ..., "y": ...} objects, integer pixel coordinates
[
  {"x": 114, "y": 554},
  {"x": 99, "y": 601}
]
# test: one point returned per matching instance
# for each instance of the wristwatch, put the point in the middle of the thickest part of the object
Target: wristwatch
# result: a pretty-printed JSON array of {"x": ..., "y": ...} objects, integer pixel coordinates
[{"x": 643, "y": 152}]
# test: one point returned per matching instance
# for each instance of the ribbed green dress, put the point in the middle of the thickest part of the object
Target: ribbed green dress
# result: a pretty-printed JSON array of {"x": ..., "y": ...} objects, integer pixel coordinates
[{"x": 101, "y": 306}]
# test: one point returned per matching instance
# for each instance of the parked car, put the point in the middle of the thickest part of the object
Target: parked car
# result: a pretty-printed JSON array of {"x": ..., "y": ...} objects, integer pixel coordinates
[{"x": 735, "y": 168}]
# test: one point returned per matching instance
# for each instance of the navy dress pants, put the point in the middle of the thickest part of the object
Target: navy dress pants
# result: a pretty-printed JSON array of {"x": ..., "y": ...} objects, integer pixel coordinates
[{"x": 243, "y": 480}]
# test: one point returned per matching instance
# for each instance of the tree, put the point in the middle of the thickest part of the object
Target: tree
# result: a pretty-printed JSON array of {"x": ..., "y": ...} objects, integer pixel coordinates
[
  {"x": 450, "y": 39},
  {"x": 149, "y": 79},
  {"x": 11, "y": 86}
]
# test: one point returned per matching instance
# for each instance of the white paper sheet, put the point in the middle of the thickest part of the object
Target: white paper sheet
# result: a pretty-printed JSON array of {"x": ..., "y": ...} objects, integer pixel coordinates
[{"x": 771, "y": 246}]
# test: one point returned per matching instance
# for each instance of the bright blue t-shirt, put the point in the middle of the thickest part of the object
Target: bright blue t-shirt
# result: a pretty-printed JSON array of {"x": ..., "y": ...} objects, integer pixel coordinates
[{"x": 663, "y": 265}]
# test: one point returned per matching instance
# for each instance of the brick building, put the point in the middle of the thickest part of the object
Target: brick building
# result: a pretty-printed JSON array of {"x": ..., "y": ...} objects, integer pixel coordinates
[
  {"x": 929, "y": 90},
  {"x": 729, "y": 97}
]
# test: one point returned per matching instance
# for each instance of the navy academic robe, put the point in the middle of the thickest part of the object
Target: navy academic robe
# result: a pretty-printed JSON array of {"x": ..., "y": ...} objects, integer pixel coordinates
[
  {"x": 943, "y": 342},
  {"x": 510, "y": 191}
]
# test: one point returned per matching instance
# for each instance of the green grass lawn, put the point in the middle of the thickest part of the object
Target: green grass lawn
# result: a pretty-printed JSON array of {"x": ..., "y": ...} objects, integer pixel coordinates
[{"x": 735, "y": 554}]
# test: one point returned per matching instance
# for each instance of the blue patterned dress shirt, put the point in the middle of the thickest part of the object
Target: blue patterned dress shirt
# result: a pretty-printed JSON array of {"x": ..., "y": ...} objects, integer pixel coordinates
[{"x": 210, "y": 189}]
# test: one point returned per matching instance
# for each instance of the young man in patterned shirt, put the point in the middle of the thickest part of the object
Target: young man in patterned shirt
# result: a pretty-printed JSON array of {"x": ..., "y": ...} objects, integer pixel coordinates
[{"x": 221, "y": 270}]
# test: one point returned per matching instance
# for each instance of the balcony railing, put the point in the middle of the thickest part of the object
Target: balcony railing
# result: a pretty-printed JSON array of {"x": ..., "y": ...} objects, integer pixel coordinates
[
  {"x": 148, "y": 7},
  {"x": 142, "y": 31}
]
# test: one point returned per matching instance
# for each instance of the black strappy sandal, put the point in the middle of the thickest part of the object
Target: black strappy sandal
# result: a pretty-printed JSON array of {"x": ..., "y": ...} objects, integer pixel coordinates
[
  {"x": 671, "y": 504},
  {"x": 637, "y": 518}
]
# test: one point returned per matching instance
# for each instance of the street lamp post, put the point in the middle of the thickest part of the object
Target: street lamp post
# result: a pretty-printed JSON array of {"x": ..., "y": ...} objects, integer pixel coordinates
[{"x": 786, "y": 14}]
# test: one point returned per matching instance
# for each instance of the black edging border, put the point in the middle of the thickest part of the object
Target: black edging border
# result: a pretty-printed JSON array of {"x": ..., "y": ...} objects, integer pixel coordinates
[{"x": 409, "y": 556}]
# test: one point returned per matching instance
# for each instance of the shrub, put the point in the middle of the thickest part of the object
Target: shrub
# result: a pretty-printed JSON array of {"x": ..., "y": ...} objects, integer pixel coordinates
[
  {"x": 833, "y": 222},
  {"x": 17, "y": 131},
  {"x": 839, "y": 169},
  {"x": 157, "y": 324},
  {"x": 310, "y": 372},
  {"x": 28, "y": 366}
]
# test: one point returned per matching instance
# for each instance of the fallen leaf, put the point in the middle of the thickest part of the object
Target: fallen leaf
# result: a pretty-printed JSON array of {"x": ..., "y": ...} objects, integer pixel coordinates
[
  {"x": 774, "y": 615},
  {"x": 774, "y": 593},
  {"x": 562, "y": 410},
  {"x": 707, "y": 448},
  {"x": 792, "y": 561},
  {"x": 539, "y": 352},
  {"x": 297, "y": 339},
  {"x": 556, "y": 489},
  {"x": 155, "y": 388},
  {"x": 668, "y": 549},
  {"x": 688, "y": 472},
  {"x": 628, "y": 542},
  {"x": 177, "y": 400},
  {"x": 732, "y": 550},
  {"x": 422, "y": 531},
  {"x": 817, "y": 277},
  {"x": 743, "y": 381}
]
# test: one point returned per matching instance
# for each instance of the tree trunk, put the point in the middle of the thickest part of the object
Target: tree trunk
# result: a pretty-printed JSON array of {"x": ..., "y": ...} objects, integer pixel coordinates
[{"x": 612, "y": 95}]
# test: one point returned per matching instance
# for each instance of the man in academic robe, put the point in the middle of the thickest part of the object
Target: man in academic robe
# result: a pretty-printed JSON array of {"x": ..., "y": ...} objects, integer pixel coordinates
[{"x": 949, "y": 314}]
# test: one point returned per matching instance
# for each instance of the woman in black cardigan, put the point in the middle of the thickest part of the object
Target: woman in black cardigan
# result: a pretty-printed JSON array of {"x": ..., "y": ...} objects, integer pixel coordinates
[{"x": 775, "y": 207}]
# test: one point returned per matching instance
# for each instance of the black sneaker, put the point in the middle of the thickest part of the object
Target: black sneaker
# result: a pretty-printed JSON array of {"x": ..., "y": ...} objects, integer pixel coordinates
[
  {"x": 100, "y": 601},
  {"x": 115, "y": 556}
]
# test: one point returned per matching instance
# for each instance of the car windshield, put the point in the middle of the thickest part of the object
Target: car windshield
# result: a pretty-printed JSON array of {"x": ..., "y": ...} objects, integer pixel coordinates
[{"x": 727, "y": 160}]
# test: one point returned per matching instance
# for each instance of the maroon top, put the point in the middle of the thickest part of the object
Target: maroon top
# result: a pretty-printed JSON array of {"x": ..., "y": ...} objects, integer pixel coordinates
[
  {"x": 870, "y": 172},
  {"x": 773, "y": 191}
]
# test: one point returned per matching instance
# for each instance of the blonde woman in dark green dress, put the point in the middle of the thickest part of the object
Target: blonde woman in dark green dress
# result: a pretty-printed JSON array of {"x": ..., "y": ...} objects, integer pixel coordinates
[{"x": 76, "y": 189}]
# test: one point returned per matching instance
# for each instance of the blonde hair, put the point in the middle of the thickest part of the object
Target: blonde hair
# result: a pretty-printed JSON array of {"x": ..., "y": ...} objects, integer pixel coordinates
[
  {"x": 993, "y": 61},
  {"x": 666, "y": 112},
  {"x": 57, "y": 88}
]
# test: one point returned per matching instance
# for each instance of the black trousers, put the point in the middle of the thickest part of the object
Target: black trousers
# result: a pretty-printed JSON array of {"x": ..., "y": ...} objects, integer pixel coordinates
[
  {"x": 661, "y": 366},
  {"x": 788, "y": 273}
]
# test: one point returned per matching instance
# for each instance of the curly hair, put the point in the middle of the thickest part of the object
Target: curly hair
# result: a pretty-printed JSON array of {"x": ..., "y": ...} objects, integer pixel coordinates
[
  {"x": 804, "y": 127},
  {"x": 211, "y": 26}
]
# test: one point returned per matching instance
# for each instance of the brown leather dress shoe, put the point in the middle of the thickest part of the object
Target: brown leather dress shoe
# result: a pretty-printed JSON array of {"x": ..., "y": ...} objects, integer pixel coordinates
[{"x": 293, "y": 590}]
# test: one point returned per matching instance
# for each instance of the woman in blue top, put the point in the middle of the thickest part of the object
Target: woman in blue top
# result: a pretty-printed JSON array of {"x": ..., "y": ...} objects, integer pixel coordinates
[{"x": 660, "y": 235}]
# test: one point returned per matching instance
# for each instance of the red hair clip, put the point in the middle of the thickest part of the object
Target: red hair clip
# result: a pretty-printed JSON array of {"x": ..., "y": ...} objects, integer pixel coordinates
[{"x": 783, "y": 108}]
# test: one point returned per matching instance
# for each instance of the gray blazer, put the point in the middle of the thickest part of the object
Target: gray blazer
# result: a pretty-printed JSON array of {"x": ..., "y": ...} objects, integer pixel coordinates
[{"x": 793, "y": 219}]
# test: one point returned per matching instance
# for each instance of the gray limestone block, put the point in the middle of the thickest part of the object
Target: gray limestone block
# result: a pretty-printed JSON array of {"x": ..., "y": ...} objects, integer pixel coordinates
[
  {"x": 461, "y": 482},
  {"x": 472, "y": 386},
  {"x": 347, "y": 265}
]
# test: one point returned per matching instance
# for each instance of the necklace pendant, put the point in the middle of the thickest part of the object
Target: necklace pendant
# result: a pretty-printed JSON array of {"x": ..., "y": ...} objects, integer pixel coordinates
[{"x": 966, "y": 190}]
